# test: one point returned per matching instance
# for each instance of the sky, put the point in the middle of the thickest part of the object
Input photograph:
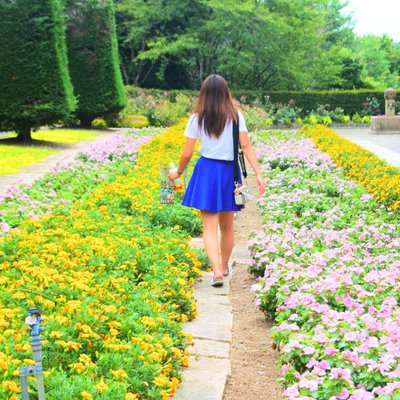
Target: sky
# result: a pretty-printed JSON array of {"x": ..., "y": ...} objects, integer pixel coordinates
[{"x": 376, "y": 17}]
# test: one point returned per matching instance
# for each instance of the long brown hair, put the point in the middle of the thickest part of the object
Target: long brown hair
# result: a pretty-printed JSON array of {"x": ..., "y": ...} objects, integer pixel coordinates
[{"x": 215, "y": 106}]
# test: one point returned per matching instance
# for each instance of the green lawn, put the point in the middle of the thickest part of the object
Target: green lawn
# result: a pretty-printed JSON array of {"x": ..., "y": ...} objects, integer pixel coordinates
[
  {"x": 15, "y": 157},
  {"x": 64, "y": 135}
]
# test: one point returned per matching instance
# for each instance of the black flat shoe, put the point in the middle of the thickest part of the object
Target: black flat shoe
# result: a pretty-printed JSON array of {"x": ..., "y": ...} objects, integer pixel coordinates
[{"x": 217, "y": 282}]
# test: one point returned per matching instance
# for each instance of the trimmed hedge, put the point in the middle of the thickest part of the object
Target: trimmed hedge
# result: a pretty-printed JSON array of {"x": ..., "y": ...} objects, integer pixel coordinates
[
  {"x": 350, "y": 100},
  {"x": 93, "y": 58},
  {"x": 35, "y": 84}
]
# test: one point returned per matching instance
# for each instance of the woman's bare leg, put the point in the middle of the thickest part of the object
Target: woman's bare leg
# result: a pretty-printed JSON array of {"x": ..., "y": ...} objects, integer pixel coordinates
[
  {"x": 210, "y": 238},
  {"x": 227, "y": 238}
]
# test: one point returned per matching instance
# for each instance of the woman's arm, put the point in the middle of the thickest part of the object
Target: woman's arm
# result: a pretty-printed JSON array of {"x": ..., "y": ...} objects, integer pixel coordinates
[
  {"x": 184, "y": 159},
  {"x": 250, "y": 154}
]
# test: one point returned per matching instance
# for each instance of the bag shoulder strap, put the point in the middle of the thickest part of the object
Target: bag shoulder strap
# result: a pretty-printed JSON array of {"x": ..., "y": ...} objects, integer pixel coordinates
[{"x": 237, "y": 152}]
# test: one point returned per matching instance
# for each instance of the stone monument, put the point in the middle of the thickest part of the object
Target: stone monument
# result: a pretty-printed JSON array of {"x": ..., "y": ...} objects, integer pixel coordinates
[{"x": 390, "y": 122}]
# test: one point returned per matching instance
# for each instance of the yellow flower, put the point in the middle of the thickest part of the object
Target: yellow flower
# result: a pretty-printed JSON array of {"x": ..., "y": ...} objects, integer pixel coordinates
[
  {"x": 62, "y": 319},
  {"x": 78, "y": 367},
  {"x": 69, "y": 345},
  {"x": 161, "y": 380},
  {"x": 11, "y": 386},
  {"x": 184, "y": 318},
  {"x": 85, "y": 359},
  {"x": 148, "y": 321},
  {"x": 131, "y": 396},
  {"x": 119, "y": 373},
  {"x": 86, "y": 396},
  {"x": 102, "y": 386},
  {"x": 114, "y": 324},
  {"x": 154, "y": 356},
  {"x": 110, "y": 309},
  {"x": 176, "y": 352},
  {"x": 166, "y": 340}
]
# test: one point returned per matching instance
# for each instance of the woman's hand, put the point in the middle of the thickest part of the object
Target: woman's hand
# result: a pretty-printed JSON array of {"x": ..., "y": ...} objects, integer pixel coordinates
[
  {"x": 173, "y": 175},
  {"x": 260, "y": 184}
]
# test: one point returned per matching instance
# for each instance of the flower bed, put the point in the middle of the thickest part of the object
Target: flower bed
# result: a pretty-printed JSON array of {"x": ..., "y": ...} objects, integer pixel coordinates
[
  {"x": 66, "y": 183},
  {"x": 378, "y": 177},
  {"x": 114, "y": 278},
  {"x": 329, "y": 265}
]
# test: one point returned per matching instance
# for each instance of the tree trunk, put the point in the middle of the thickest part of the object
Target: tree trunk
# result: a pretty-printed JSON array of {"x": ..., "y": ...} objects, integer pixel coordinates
[{"x": 24, "y": 133}]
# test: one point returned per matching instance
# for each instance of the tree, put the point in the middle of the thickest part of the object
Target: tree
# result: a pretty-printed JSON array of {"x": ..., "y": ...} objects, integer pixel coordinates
[
  {"x": 380, "y": 58},
  {"x": 93, "y": 58},
  {"x": 274, "y": 44},
  {"x": 35, "y": 85},
  {"x": 351, "y": 74},
  {"x": 156, "y": 38}
]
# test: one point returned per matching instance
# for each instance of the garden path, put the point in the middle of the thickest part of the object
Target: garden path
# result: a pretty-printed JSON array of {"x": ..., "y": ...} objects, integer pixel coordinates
[{"x": 233, "y": 356}]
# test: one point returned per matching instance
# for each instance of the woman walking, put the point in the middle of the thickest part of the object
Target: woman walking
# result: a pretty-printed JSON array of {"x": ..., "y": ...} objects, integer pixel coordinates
[{"x": 211, "y": 186}]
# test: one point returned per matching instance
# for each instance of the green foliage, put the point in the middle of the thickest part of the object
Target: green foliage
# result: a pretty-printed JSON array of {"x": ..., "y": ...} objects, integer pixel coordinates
[
  {"x": 371, "y": 106},
  {"x": 99, "y": 123},
  {"x": 134, "y": 121},
  {"x": 287, "y": 105},
  {"x": 159, "y": 107},
  {"x": 256, "y": 117},
  {"x": 93, "y": 58},
  {"x": 35, "y": 85},
  {"x": 356, "y": 118},
  {"x": 351, "y": 101},
  {"x": 380, "y": 58},
  {"x": 351, "y": 74},
  {"x": 284, "y": 44}
]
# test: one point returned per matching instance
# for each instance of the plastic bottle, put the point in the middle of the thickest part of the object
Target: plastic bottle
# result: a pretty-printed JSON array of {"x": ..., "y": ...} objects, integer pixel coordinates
[{"x": 177, "y": 182}]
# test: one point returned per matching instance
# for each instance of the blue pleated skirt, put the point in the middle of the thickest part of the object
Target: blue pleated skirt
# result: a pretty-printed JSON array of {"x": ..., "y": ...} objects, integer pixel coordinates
[{"x": 211, "y": 186}]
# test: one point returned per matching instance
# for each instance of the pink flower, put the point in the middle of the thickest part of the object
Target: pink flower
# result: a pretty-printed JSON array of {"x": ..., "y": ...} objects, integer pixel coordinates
[
  {"x": 341, "y": 373},
  {"x": 309, "y": 350},
  {"x": 330, "y": 351},
  {"x": 362, "y": 394},
  {"x": 292, "y": 392},
  {"x": 344, "y": 395},
  {"x": 311, "y": 384}
]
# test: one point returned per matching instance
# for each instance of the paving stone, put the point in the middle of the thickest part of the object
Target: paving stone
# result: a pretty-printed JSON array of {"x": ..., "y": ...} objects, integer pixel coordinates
[
  {"x": 240, "y": 254},
  {"x": 214, "y": 321},
  {"x": 389, "y": 156},
  {"x": 204, "y": 287},
  {"x": 196, "y": 242},
  {"x": 209, "y": 348},
  {"x": 213, "y": 328},
  {"x": 204, "y": 379}
]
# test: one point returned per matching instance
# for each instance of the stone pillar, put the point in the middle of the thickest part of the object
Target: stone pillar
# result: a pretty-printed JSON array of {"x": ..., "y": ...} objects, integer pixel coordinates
[{"x": 390, "y": 102}]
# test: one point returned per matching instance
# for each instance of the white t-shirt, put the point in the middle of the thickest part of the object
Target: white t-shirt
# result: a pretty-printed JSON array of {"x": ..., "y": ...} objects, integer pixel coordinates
[{"x": 211, "y": 147}]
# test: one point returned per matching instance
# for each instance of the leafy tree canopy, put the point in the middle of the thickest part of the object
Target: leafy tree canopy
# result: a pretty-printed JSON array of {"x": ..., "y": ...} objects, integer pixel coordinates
[{"x": 285, "y": 44}]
